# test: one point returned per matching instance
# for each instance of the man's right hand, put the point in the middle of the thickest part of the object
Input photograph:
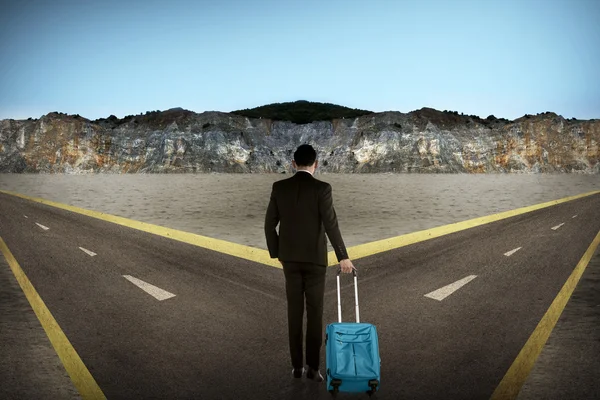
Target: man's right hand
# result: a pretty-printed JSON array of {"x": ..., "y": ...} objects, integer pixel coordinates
[{"x": 346, "y": 266}]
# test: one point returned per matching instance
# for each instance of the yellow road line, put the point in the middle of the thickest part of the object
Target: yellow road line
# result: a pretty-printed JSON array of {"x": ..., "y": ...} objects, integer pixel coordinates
[
  {"x": 518, "y": 372},
  {"x": 221, "y": 246},
  {"x": 263, "y": 257},
  {"x": 380, "y": 246},
  {"x": 81, "y": 377}
]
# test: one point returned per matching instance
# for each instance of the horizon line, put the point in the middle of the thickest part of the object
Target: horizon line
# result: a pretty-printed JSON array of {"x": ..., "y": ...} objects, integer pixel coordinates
[{"x": 291, "y": 102}]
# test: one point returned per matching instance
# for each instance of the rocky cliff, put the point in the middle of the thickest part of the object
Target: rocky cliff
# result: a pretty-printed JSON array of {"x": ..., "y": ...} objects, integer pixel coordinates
[{"x": 178, "y": 140}]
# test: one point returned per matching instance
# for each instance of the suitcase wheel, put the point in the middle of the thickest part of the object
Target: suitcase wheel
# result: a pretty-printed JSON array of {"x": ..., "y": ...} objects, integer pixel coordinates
[
  {"x": 373, "y": 383},
  {"x": 335, "y": 383}
]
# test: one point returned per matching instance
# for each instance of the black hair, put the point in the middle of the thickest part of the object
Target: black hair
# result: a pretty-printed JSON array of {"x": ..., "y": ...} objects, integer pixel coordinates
[{"x": 305, "y": 155}]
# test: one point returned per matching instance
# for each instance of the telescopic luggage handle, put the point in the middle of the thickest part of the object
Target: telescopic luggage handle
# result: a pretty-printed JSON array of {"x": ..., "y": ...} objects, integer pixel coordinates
[{"x": 355, "y": 295}]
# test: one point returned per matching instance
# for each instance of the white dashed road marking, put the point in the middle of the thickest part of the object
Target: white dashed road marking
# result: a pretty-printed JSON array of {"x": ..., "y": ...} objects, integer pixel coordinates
[
  {"x": 441, "y": 293},
  {"x": 91, "y": 253},
  {"x": 25, "y": 216},
  {"x": 574, "y": 216},
  {"x": 557, "y": 226},
  {"x": 510, "y": 253},
  {"x": 42, "y": 226},
  {"x": 152, "y": 290}
]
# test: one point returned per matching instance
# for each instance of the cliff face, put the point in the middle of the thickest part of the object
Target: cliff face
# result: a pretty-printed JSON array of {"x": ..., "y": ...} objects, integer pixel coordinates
[{"x": 182, "y": 141}]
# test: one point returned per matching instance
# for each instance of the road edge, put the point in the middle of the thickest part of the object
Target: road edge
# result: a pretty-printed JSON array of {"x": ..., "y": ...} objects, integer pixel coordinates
[
  {"x": 517, "y": 374},
  {"x": 84, "y": 382},
  {"x": 263, "y": 257}
]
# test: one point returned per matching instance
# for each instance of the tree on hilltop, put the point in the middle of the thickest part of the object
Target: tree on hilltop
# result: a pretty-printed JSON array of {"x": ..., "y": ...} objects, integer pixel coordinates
[{"x": 302, "y": 112}]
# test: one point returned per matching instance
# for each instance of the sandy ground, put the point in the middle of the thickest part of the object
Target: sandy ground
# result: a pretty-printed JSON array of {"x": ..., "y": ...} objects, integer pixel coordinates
[{"x": 232, "y": 206}]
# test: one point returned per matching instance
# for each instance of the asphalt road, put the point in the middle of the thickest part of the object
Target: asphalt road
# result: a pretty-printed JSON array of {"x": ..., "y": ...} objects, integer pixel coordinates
[
  {"x": 569, "y": 366},
  {"x": 224, "y": 333}
]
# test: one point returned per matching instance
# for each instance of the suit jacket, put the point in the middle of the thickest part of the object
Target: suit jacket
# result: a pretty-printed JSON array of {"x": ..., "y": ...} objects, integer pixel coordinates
[{"x": 303, "y": 207}]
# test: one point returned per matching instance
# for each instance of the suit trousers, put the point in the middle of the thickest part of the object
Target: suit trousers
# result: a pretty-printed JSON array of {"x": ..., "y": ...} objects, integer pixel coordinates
[{"x": 305, "y": 280}]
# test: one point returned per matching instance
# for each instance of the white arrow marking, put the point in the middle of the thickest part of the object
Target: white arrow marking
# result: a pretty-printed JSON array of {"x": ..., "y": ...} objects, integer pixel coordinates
[
  {"x": 510, "y": 253},
  {"x": 42, "y": 226},
  {"x": 557, "y": 226},
  {"x": 441, "y": 293},
  {"x": 152, "y": 290},
  {"x": 91, "y": 253}
]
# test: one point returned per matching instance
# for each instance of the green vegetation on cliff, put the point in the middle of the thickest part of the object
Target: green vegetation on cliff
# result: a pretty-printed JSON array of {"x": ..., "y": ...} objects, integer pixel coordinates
[{"x": 301, "y": 112}]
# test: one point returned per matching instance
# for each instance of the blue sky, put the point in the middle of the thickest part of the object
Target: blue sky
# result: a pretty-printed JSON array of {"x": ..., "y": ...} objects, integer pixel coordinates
[{"x": 96, "y": 58}]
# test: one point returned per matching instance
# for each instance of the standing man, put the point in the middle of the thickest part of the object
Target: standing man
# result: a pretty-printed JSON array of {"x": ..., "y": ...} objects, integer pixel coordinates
[{"x": 303, "y": 206}]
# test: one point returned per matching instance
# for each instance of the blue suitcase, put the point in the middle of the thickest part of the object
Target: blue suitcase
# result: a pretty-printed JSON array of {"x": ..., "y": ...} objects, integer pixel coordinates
[{"x": 352, "y": 352}]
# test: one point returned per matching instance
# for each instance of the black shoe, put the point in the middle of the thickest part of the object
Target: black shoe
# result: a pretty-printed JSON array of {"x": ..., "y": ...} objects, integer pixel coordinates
[
  {"x": 297, "y": 372},
  {"x": 314, "y": 374}
]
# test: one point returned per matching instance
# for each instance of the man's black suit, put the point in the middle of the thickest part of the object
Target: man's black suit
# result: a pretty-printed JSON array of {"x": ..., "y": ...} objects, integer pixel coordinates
[{"x": 303, "y": 206}]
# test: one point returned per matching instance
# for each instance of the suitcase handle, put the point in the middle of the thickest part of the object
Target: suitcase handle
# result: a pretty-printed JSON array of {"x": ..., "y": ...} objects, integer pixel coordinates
[{"x": 355, "y": 295}]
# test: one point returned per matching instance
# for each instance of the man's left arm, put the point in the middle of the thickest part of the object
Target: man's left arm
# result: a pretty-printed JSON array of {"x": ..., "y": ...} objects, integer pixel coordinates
[{"x": 271, "y": 221}]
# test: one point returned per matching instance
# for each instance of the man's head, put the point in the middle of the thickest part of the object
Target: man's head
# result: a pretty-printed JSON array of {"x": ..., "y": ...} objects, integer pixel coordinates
[{"x": 305, "y": 157}]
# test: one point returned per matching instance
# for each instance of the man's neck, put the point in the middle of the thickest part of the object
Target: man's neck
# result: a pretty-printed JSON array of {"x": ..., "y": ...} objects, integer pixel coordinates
[{"x": 305, "y": 170}]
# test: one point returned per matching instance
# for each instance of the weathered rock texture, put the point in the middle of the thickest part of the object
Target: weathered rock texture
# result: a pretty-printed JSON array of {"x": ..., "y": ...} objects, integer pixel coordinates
[{"x": 178, "y": 140}]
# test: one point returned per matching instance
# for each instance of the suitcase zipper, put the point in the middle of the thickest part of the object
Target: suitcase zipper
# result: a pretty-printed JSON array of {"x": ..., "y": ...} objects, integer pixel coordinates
[{"x": 354, "y": 359}]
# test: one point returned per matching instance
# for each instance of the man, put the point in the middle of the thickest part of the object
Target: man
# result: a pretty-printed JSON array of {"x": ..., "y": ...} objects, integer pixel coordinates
[{"x": 303, "y": 206}]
